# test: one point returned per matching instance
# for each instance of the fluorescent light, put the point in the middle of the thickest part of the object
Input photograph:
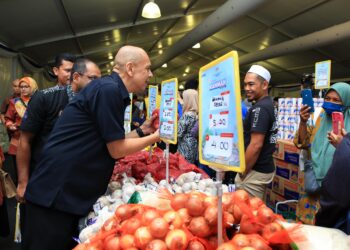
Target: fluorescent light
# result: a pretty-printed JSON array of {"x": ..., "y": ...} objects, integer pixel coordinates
[
  {"x": 151, "y": 10},
  {"x": 164, "y": 65},
  {"x": 196, "y": 46}
]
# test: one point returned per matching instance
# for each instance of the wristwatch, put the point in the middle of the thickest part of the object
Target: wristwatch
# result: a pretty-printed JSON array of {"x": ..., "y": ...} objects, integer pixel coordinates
[{"x": 140, "y": 132}]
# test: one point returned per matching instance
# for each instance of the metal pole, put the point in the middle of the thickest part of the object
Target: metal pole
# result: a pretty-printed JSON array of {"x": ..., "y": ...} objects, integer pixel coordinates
[
  {"x": 167, "y": 164},
  {"x": 219, "y": 177}
]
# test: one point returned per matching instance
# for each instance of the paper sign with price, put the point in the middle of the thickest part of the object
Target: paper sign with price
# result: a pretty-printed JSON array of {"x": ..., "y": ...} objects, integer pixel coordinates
[
  {"x": 220, "y": 117},
  {"x": 152, "y": 99},
  {"x": 168, "y": 111},
  {"x": 322, "y": 74},
  {"x": 219, "y": 146},
  {"x": 218, "y": 120},
  {"x": 167, "y": 128}
]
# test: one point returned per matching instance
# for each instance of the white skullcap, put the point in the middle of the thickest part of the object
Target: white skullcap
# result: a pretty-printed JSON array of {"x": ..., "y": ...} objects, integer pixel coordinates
[{"x": 261, "y": 71}]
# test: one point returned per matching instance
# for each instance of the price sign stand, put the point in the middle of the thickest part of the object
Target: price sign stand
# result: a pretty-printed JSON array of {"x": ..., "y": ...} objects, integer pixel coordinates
[
  {"x": 219, "y": 177},
  {"x": 167, "y": 164},
  {"x": 168, "y": 118},
  {"x": 221, "y": 143}
]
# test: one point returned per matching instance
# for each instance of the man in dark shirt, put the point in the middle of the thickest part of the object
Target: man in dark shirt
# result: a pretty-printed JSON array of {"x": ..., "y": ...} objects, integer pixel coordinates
[
  {"x": 78, "y": 159},
  {"x": 42, "y": 113},
  {"x": 37, "y": 123},
  {"x": 260, "y": 130}
]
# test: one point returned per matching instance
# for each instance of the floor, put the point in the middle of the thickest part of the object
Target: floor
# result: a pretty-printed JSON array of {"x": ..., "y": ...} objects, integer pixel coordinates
[{"x": 8, "y": 243}]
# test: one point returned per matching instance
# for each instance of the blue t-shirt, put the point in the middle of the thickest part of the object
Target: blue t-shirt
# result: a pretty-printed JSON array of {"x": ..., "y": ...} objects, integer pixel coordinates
[{"x": 75, "y": 165}]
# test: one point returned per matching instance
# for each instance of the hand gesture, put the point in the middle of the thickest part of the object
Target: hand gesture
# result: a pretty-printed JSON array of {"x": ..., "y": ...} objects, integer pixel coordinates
[
  {"x": 335, "y": 139},
  {"x": 304, "y": 113}
]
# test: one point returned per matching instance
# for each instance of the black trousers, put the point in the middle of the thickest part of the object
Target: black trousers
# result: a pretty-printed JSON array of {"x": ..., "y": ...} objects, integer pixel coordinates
[{"x": 49, "y": 229}]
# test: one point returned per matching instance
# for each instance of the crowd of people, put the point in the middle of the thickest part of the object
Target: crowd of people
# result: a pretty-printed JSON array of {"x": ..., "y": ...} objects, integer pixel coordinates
[{"x": 64, "y": 141}]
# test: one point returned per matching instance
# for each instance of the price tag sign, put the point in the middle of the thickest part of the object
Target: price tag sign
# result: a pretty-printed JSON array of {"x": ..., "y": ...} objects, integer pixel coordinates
[
  {"x": 220, "y": 116},
  {"x": 168, "y": 111},
  {"x": 323, "y": 74},
  {"x": 152, "y": 99}
]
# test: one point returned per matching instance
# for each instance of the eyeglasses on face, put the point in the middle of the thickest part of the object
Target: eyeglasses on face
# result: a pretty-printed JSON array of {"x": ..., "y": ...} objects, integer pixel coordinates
[{"x": 24, "y": 86}]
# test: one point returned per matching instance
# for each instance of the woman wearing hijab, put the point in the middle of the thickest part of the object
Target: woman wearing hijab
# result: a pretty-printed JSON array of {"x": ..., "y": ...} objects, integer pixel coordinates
[
  {"x": 318, "y": 139},
  {"x": 16, "y": 110},
  {"x": 187, "y": 143}
]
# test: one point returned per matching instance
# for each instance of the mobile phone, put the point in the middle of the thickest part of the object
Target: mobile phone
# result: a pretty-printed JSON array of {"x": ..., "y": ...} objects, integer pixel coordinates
[
  {"x": 306, "y": 95},
  {"x": 336, "y": 118}
]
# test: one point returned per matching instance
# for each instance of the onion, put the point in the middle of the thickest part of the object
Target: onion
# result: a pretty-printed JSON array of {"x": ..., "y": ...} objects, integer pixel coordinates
[
  {"x": 265, "y": 215},
  {"x": 98, "y": 245},
  {"x": 179, "y": 201},
  {"x": 260, "y": 244},
  {"x": 210, "y": 201},
  {"x": 142, "y": 237},
  {"x": 255, "y": 203},
  {"x": 229, "y": 220},
  {"x": 241, "y": 240},
  {"x": 195, "y": 245},
  {"x": 270, "y": 229},
  {"x": 199, "y": 227},
  {"x": 148, "y": 216},
  {"x": 184, "y": 215},
  {"x": 159, "y": 228},
  {"x": 237, "y": 213},
  {"x": 211, "y": 215},
  {"x": 173, "y": 219},
  {"x": 112, "y": 244},
  {"x": 80, "y": 247},
  {"x": 241, "y": 196},
  {"x": 110, "y": 224},
  {"x": 249, "y": 226},
  {"x": 176, "y": 239},
  {"x": 213, "y": 241},
  {"x": 195, "y": 206},
  {"x": 131, "y": 225},
  {"x": 227, "y": 198},
  {"x": 227, "y": 246},
  {"x": 126, "y": 241},
  {"x": 123, "y": 212},
  {"x": 156, "y": 245}
]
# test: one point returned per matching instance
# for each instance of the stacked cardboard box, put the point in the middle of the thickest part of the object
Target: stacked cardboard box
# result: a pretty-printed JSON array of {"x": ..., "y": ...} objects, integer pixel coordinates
[{"x": 288, "y": 182}]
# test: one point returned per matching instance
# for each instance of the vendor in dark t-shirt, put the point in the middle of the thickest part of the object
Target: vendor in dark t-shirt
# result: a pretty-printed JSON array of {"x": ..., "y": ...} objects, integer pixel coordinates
[{"x": 260, "y": 130}]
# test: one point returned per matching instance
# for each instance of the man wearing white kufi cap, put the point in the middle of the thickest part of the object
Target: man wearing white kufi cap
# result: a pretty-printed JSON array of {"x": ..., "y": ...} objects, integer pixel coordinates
[{"x": 260, "y": 130}]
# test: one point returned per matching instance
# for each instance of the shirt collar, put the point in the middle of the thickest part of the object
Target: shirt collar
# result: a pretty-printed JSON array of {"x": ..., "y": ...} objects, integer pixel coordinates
[{"x": 124, "y": 91}]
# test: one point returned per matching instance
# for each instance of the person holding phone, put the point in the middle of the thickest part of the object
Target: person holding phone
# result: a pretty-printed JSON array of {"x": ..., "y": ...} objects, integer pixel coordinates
[{"x": 318, "y": 138}]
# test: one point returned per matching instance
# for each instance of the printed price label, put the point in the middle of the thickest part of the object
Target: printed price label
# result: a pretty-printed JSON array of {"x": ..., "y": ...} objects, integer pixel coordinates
[
  {"x": 169, "y": 103},
  {"x": 220, "y": 102},
  {"x": 167, "y": 128},
  {"x": 218, "y": 146},
  {"x": 218, "y": 120},
  {"x": 167, "y": 114}
]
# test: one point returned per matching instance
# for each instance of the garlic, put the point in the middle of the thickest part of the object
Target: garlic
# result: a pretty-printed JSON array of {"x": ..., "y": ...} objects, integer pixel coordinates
[{"x": 186, "y": 187}]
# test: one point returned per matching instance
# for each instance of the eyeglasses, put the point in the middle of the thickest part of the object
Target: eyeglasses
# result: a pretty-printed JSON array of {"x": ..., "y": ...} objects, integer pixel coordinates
[
  {"x": 25, "y": 87},
  {"x": 89, "y": 77}
]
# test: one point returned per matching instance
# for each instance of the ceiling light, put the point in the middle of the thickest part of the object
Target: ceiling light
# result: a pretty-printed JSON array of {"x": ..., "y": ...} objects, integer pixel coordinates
[
  {"x": 187, "y": 70},
  {"x": 151, "y": 10},
  {"x": 110, "y": 57},
  {"x": 160, "y": 52},
  {"x": 181, "y": 87},
  {"x": 196, "y": 46},
  {"x": 184, "y": 74},
  {"x": 111, "y": 62},
  {"x": 164, "y": 65}
]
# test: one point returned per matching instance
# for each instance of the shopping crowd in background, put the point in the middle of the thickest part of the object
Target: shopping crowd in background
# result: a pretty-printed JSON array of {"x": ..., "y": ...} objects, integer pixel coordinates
[{"x": 50, "y": 130}]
